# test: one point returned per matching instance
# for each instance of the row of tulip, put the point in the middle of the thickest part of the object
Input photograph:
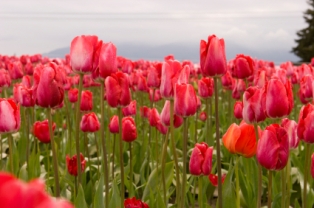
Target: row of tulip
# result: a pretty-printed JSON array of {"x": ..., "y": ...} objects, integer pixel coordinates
[{"x": 145, "y": 169}]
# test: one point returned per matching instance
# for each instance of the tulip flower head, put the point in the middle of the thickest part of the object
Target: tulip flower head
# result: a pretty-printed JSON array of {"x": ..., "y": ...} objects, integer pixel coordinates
[
  {"x": 134, "y": 203},
  {"x": 72, "y": 164},
  {"x": 114, "y": 124},
  {"x": 237, "y": 109},
  {"x": 243, "y": 67},
  {"x": 305, "y": 128},
  {"x": 89, "y": 122},
  {"x": 203, "y": 116},
  {"x": 214, "y": 179},
  {"x": 10, "y": 118},
  {"x": 291, "y": 127},
  {"x": 185, "y": 101},
  {"x": 201, "y": 159},
  {"x": 240, "y": 139},
  {"x": 273, "y": 148},
  {"x": 130, "y": 110},
  {"x": 41, "y": 130},
  {"x": 73, "y": 95},
  {"x": 86, "y": 101},
  {"x": 213, "y": 57},
  {"x": 107, "y": 60},
  {"x": 206, "y": 87},
  {"x": 129, "y": 132}
]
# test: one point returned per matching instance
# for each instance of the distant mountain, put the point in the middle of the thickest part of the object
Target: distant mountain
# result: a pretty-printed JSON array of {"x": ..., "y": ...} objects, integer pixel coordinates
[{"x": 181, "y": 52}]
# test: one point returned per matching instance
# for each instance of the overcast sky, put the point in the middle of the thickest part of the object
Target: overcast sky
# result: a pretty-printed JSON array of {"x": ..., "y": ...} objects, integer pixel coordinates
[{"x": 36, "y": 26}]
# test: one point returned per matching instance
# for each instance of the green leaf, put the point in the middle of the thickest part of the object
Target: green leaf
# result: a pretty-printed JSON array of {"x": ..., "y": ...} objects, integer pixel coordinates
[
  {"x": 154, "y": 181},
  {"x": 99, "y": 197},
  {"x": 228, "y": 190},
  {"x": 80, "y": 199},
  {"x": 115, "y": 196}
]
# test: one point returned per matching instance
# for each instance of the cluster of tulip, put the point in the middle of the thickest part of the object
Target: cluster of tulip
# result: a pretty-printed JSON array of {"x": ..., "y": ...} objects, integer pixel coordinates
[{"x": 143, "y": 102}]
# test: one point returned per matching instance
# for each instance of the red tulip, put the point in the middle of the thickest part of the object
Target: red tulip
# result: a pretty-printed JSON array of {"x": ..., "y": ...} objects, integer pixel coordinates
[
  {"x": 16, "y": 193},
  {"x": 273, "y": 148},
  {"x": 243, "y": 67},
  {"x": 114, "y": 124},
  {"x": 29, "y": 68},
  {"x": 279, "y": 98},
  {"x": 86, "y": 101},
  {"x": 291, "y": 127},
  {"x": 201, "y": 159},
  {"x": 145, "y": 111},
  {"x": 206, "y": 87},
  {"x": 227, "y": 81},
  {"x": 130, "y": 110},
  {"x": 306, "y": 89},
  {"x": 237, "y": 109},
  {"x": 203, "y": 116},
  {"x": 260, "y": 78},
  {"x": 129, "y": 132},
  {"x": 213, "y": 57},
  {"x": 84, "y": 53},
  {"x": 153, "y": 77},
  {"x": 107, "y": 60},
  {"x": 117, "y": 90},
  {"x": 134, "y": 203},
  {"x": 185, "y": 101},
  {"x": 27, "y": 81},
  {"x": 253, "y": 105},
  {"x": 23, "y": 95},
  {"x": 162, "y": 128},
  {"x": 55, "y": 203},
  {"x": 305, "y": 127},
  {"x": 240, "y": 139},
  {"x": 72, "y": 164},
  {"x": 154, "y": 117},
  {"x": 157, "y": 95},
  {"x": 10, "y": 119},
  {"x": 184, "y": 75},
  {"x": 89, "y": 122},
  {"x": 214, "y": 179},
  {"x": 48, "y": 89},
  {"x": 41, "y": 130},
  {"x": 15, "y": 70},
  {"x": 73, "y": 95}
]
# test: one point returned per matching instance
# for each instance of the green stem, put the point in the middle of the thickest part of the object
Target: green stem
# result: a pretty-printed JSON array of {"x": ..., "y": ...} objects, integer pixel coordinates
[
  {"x": 10, "y": 141},
  {"x": 26, "y": 120},
  {"x": 163, "y": 163},
  {"x": 88, "y": 157},
  {"x": 306, "y": 173},
  {"x": 185, "y": 141},
  {"x": 200, "y": 190},
  {"x": 98, "y": 152},
  {"x": 174, "y": 152},
  {"x": 48, "y": 161},
  {"x": 157, "y": 148},
  {"x": 54, "y": 155},
  {"x": 237, "y": 182},
  {"x": 288, "y": 178},
  {"x": 1, "y": 152},
  {"x": 194, "y": 192},
  {"x": 113, "y": 154},
  {"x": 270, "y": 181},
  {"x": 69, "y": 125},
  {"x": 259, "y": 187},
  {"x": 218, "y": 144},
  {"x": 283, "y": 187},
  {"x": 122, "y": 192},
  {"x": 77, "y": 127},
  {"x": 131, "y": 170},
  {"x": 195, "y": 128},
  {"x": 103, "y": 141}
]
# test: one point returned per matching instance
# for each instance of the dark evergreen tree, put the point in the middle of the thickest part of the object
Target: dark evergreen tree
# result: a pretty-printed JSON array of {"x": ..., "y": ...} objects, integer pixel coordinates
[{"x": 305, "y": 41}]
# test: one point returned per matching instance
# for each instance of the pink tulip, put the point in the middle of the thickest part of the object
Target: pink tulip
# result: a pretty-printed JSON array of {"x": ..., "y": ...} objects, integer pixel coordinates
[
  {"x": 243, "y": 67},
  {"x": 84, "y": 53},
  {"x": 165, "y": 116},
  {"x": 238, "y": 89},
  {"x": 291, "y": 127},
  {"x": 206, "y": 87},
  {"x": 130, "y": 110},
  {"x": 154, "y": 117},
  {"x": 185, "y": 101},
  {"x": 214, "y": 179},
  {"x": 201, "y": 159},
  {"x": 117, "y": 90},
  {"x": 312, "y": 162},
  {"x": 23, "y": 95},
  {"x": 153, "y": 77},
  {"x": 203, "y": 116},
  {"x": 48, "y": 89},
  {"x": 15, "y": 70},
  {"x": 107, "y": 60},
  {"x": 253, "y": 105},
  {"x": 5, "y": 79},
  {"x": 273, "y": 148},
  {"x": 237, "y": 110},
  {"x": 145, "y": 111},
  {"x": 305, "y": 127},
  {"x": 213, "y": 57},
  {"x": 89, "y": 122},
  {"x": 306, "y": 89},
  {"x": 227, "y": 81},
  {"x": 10, "y": 119},
  {"x": 169, "y": 78},
  {"x": 279, "y": 98}
]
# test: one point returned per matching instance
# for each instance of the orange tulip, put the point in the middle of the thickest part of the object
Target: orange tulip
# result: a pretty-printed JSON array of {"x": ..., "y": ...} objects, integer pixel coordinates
[{"x": 240, "y": 139}]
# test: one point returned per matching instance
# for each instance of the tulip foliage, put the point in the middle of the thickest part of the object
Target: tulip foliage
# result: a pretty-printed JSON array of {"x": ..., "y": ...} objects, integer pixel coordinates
[{"x": 111, "y": 128}]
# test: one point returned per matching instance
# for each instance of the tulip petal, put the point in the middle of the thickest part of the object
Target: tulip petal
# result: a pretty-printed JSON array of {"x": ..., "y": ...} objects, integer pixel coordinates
[{"x": 231, "y": 136}]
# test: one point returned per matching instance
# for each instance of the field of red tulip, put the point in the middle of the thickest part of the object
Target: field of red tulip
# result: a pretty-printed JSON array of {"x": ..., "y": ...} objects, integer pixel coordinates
[{"x": 95, "y": 129}]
